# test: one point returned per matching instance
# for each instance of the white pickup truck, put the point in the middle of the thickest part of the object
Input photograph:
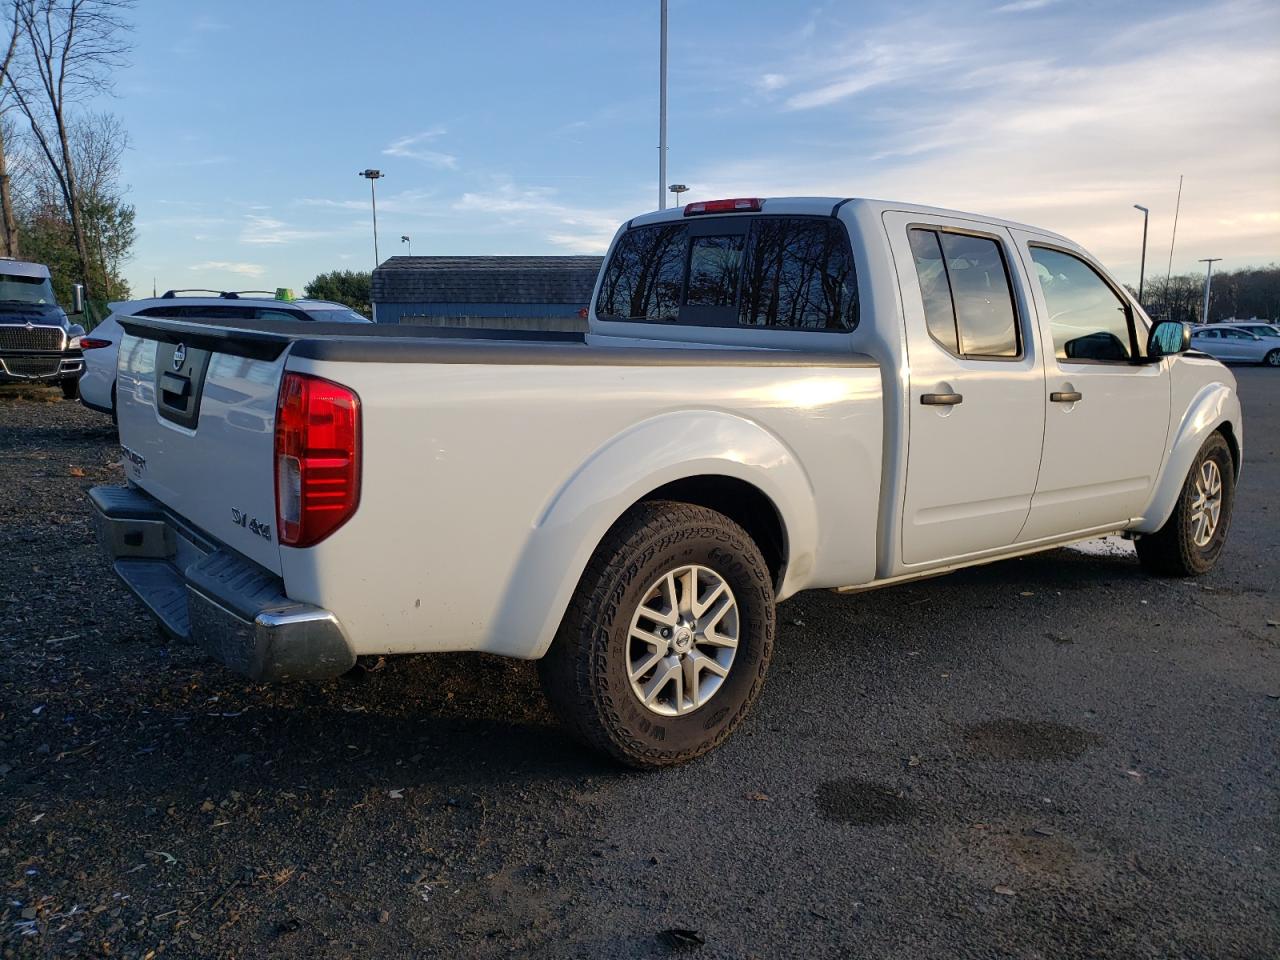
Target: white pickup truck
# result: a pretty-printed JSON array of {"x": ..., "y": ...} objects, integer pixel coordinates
[{"x": 773, "y": 396}]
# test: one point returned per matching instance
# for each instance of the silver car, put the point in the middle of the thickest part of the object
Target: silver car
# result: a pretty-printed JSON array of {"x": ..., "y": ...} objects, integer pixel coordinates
[{"x": 1232, "y": 344}]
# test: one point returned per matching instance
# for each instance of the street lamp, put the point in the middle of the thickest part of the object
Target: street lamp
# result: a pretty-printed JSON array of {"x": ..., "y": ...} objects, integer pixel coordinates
[
  {"x": 1142, "y": 269},
  {"x": 1208, "y": 284},
  {"x": 677, "y": 189},
  {"x": 662, "y": 105},
  {"x": 404, "y": 238},
  {"x": 372, "y": 176}
]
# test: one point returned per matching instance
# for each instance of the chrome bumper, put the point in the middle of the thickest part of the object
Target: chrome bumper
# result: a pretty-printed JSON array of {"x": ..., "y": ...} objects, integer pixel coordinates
[
  {"x": 32, "y": 368},
  {"x": 232, "y": 608}
]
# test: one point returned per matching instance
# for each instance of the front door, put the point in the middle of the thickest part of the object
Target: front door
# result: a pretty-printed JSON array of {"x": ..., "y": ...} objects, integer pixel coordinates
[
  {"x": 1107, "y": 409},
  {"x": 976, "y": 387}
]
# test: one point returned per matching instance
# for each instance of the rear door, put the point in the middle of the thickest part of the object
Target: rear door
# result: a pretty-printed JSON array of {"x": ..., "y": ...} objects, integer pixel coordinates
[
  {"x": 197, "y": 431},
  {"x": 976, "y": 387},
  {"x": 1107, "y": 410}
]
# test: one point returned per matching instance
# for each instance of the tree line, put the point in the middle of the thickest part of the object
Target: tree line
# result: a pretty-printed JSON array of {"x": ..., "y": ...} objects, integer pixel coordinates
[
  {"x": 1234, "y": 294},
  {"x": 61, "y": 199}
]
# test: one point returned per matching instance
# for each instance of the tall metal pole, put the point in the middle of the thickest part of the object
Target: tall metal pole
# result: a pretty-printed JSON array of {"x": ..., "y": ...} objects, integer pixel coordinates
[
  {"x": 373, "y": 199},
  {"x": 371, "y": 176},
  {"x": 662, "y": 111},
  {"x": 1142, "y": 268},
  {"x": 1169, "y": 273},
  {"x": 1208, "y": 284}
]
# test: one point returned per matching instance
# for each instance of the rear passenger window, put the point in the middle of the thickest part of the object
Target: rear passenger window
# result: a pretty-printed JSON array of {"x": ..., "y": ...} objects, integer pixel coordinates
[
  {"x": 645, "y": 274},
  {"x": 968, "y": 304},
  {"x": 798, "y": 275}
]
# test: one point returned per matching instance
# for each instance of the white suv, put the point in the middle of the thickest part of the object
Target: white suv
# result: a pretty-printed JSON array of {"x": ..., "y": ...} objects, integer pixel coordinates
[{"x": 101, "y": 346}]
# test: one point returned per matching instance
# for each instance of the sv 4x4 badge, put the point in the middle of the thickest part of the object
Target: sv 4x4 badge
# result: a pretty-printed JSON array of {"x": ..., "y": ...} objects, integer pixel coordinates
[{"x": 252, "y": 524}]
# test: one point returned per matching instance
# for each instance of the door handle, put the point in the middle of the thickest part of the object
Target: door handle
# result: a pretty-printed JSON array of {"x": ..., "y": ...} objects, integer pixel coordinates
[
  {"x": 941, "y": 399},
  {"x": 1065, "y": 396}
]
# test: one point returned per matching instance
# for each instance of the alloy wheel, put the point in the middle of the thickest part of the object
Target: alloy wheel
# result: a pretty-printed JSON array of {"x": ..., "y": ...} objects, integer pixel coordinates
[{"x": 682, "y": 640}]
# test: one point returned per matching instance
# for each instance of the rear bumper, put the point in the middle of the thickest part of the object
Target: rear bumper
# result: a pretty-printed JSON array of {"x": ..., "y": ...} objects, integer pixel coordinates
[{"x": 233, "y": 609}]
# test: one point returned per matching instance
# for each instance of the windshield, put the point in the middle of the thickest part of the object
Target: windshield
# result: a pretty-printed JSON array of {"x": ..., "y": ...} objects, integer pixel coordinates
[
  {"x": 338, "y": 315},
  {"x": 15, "y": 289}
]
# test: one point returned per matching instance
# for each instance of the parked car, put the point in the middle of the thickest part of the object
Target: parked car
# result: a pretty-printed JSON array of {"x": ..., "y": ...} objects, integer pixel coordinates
[
  {"x": 1228, "y": 342},
  {"x": 39, "y": 343},
  {"x": 98, "y": 384},
  {"x": 1267, "y": 331},
  {"x": 773, "y": 396}
]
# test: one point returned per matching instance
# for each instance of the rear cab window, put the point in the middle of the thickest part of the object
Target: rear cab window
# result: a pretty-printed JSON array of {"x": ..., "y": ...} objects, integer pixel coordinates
[{"x": 760, "y": 271}]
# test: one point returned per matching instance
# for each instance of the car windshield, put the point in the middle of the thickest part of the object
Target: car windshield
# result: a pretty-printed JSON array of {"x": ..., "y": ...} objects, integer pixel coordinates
[
  {"x": 337, "y": 315},
  {"x": 16, "y": 289}
]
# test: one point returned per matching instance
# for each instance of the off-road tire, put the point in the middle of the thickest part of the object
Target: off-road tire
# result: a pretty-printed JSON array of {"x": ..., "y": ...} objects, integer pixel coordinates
[
  {"x": 70, "y": 389},
  {"x": 1171, "y": 551},
  {"x": 585, "y": 673}
]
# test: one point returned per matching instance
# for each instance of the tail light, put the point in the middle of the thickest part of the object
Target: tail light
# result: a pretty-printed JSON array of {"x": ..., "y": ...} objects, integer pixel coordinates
[
  {"x": 91, "y": 343},
  {"x": 317, "y": 458},
  {"x": 737, "y": 205}
]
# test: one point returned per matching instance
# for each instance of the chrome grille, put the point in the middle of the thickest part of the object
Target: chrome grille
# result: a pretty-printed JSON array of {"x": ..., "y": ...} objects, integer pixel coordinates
[
  {"x": 30, "y": 338},
  {"x": 31, "y": 366}
]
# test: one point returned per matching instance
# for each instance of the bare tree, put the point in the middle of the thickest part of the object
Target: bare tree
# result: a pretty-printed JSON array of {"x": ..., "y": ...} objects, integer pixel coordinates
[
  {"x": 8, "y": 223},
  {"x": 70, "y": 50}
]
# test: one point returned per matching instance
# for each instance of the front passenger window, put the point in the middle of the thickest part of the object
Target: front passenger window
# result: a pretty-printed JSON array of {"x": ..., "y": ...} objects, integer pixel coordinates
[{"x": 1089, "y": 320}]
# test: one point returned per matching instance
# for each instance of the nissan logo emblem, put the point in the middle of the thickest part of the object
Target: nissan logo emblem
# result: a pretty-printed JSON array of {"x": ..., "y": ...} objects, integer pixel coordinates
[{"x": 179, "y": 356}]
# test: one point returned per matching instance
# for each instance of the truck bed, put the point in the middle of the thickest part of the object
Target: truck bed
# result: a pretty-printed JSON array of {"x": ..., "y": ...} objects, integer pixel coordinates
[{"x": 388, "y": 343}]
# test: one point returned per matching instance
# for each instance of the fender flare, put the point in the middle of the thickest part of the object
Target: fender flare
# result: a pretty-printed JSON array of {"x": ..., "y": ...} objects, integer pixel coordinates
[
  {"x": 1214, "y": 404},
  {"x": 660, "y": 450}
]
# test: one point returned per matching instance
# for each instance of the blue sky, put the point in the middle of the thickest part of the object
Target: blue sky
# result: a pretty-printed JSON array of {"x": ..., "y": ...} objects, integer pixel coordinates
[{"x": 515, "y": 127}]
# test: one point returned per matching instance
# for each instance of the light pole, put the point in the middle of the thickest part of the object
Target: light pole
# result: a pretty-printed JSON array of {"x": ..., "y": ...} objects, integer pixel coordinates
[
  {"x": 1208, "y": 284},
  {"x": 677, "y": 189},
  {"x": 404, "y": 238},
  {"x": 1142, "y": 269},
  {"x": 373, "y": 176},
  {"x": 662, "y": 109}
]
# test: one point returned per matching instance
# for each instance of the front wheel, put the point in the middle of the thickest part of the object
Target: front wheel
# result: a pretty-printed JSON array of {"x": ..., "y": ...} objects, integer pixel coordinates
[
  {"x": 1272, "y": 359},
  {"x": 665, "y": 645},
  {"x": 70, "y": 389},
  {"x": 1193, "y": 537}
]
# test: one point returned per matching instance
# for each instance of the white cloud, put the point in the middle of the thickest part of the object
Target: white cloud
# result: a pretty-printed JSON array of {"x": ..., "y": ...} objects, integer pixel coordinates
[
  {"x": 414, "y": 147},
  {"x": 260, "y": 230},
  {"x": 417, "y": 203},
  {"x": 875, "y": 63},
  {"x": 573, "y": 229},
  {"x": 1024, "y": 6},
  {"x": 229, "y": 266},
  {"x": 1068, "y": 140},
  {"x": 770, "y": 82}
]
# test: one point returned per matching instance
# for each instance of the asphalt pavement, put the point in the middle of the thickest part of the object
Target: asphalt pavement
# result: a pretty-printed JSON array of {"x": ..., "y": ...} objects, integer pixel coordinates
[{"x": 1043, "y": 758}]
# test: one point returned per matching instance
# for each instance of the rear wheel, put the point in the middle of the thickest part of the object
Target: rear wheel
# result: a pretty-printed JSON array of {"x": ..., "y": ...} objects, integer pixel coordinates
[
  {"x": 70, "y": 389},
  {"x": 1192, "y": 538},
  {"x": 1273, "y": 359},
  {"x": 665, "y": 645}
]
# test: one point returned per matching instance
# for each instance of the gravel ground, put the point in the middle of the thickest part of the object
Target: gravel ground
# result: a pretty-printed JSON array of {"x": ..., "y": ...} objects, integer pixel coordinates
[{"x": 1048, "y": 757}]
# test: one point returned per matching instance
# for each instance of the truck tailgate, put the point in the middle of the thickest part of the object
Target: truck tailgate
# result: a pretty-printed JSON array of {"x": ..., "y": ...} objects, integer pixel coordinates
[{"x": 197, "y": 430}]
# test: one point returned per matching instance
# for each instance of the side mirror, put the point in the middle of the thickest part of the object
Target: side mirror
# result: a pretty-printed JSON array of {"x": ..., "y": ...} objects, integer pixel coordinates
[
  {"x": 1168, "y": 338},
  {"x": 77, "y": 299}
]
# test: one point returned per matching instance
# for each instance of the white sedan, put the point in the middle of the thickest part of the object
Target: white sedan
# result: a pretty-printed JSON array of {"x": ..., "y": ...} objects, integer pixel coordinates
[
  {"x": 102, "y": 344},
  {"x": 1232, "y": 344}
]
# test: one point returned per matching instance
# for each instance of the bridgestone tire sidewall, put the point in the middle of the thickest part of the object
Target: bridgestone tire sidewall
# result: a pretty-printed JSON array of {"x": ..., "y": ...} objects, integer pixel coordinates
[{"x": 734, "y": 558}]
